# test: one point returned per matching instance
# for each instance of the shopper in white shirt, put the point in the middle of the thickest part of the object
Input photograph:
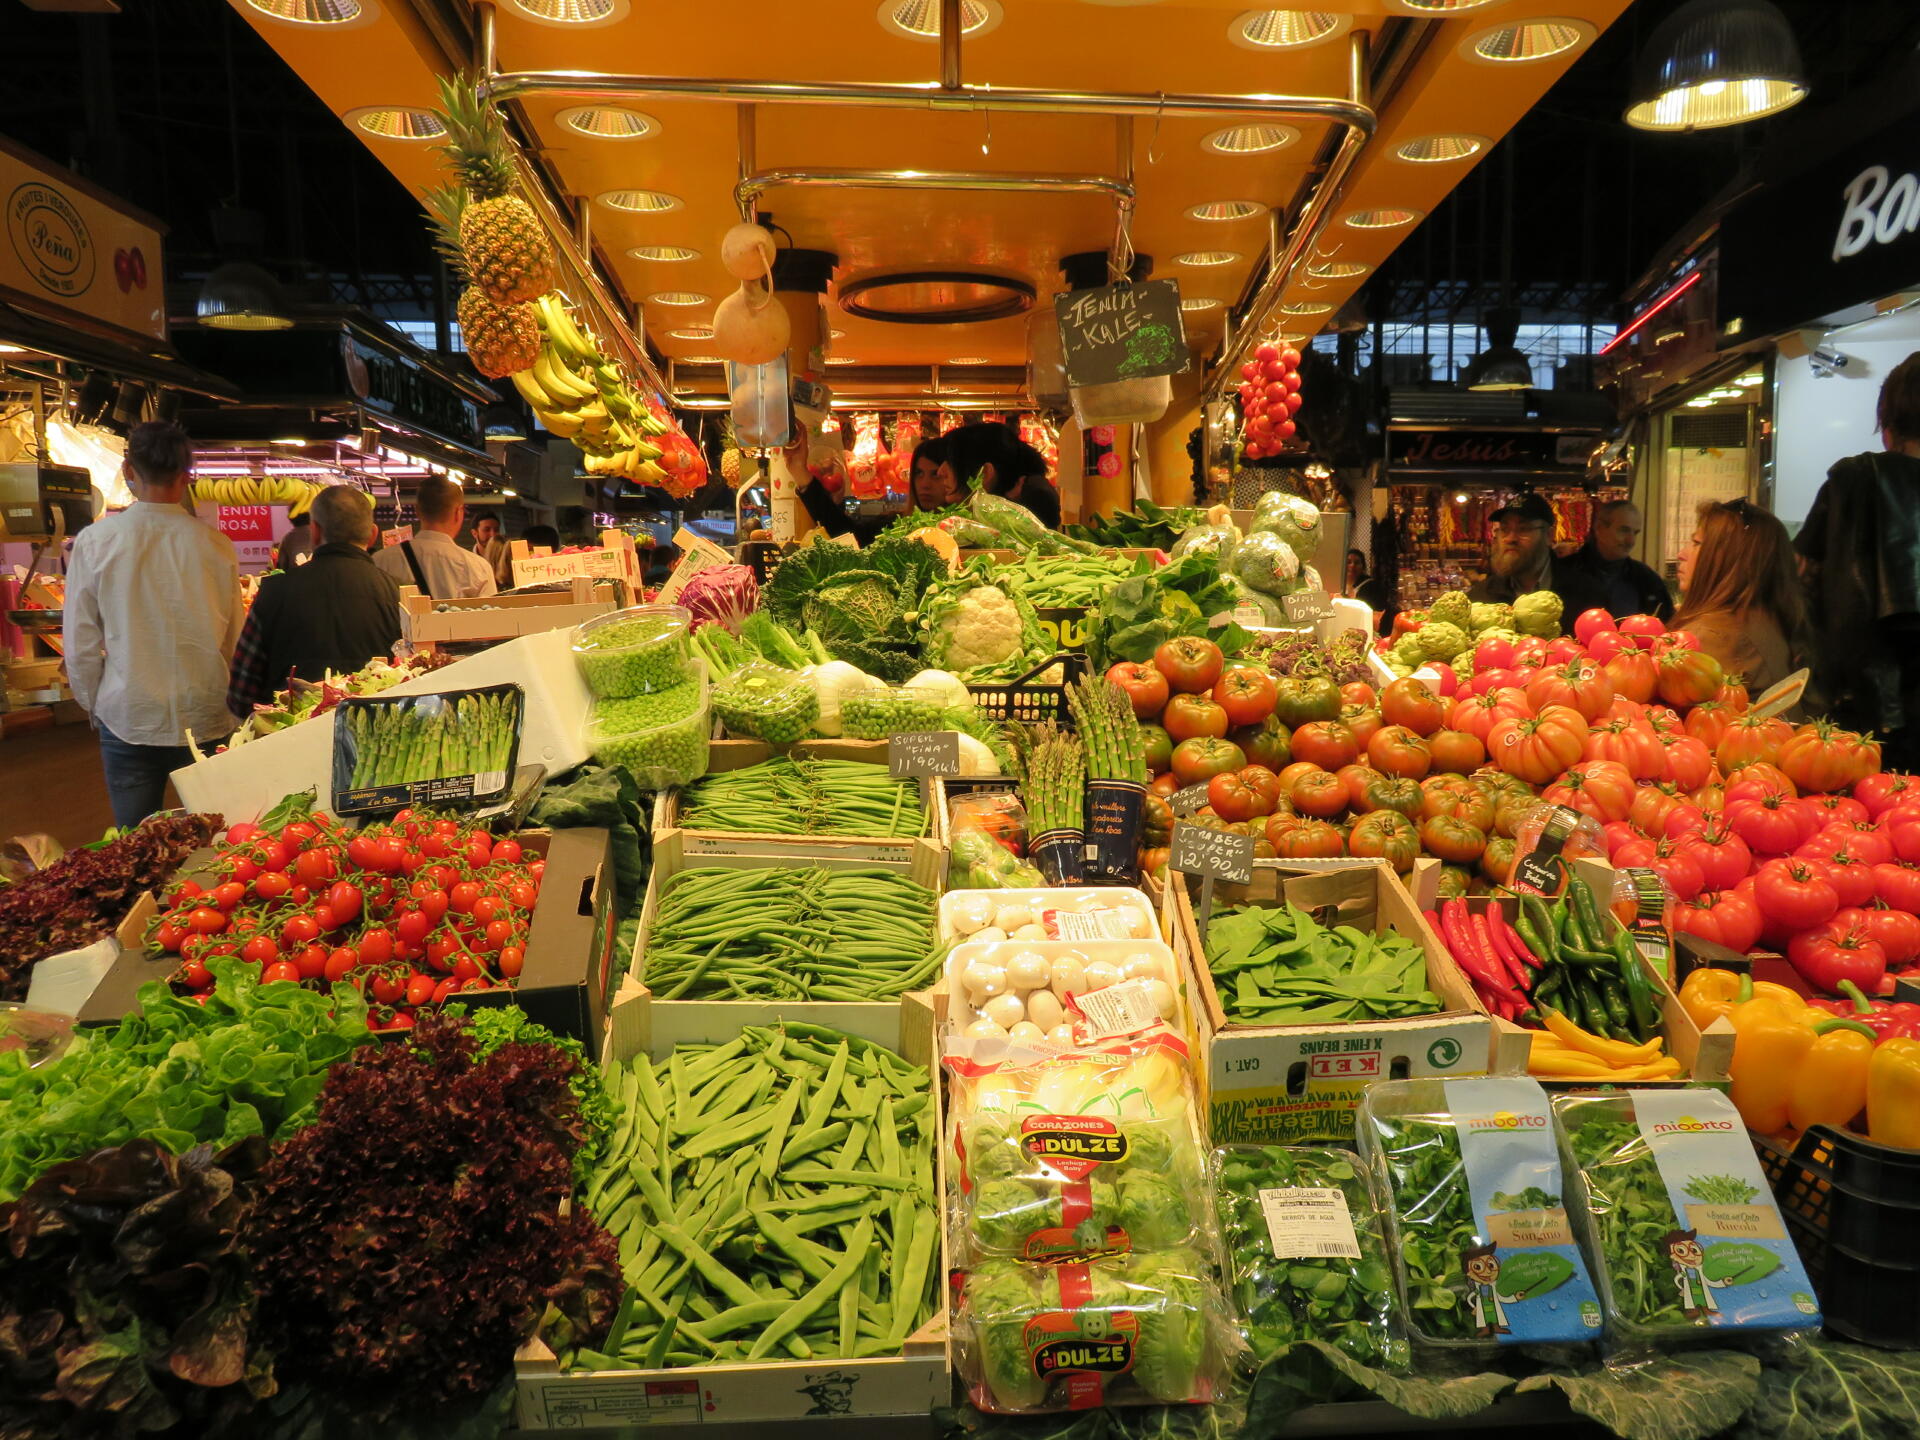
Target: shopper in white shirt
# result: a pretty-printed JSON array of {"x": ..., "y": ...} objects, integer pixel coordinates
[
  {"x": 432, "y": 559},
  {"x": 152, "y": 613}
]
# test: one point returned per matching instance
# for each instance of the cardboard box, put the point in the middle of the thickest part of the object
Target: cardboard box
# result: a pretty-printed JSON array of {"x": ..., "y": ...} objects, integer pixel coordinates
[
  {"x": 569, "y": 972},
  {"x": 1301, "y": 1084},
  {"x": 725, "y": 755},
  {"x": 616, "y": 559},
  {"x": 426, "y": 621},
  {"x": 639, "y": 1021},
  {"x": 907, "y": 1385}
]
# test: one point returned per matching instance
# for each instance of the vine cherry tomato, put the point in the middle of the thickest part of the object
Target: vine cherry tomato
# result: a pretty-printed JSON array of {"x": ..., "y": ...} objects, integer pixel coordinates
[
  {"x": 376, "y": 947},
  {"x": 260, "y": 951},
  {"x": 281, "y": 970},
  {"x": 226, "y": 896},
  {"x": 512, "y": 958},
  {"x": 463, "y": 897},
  {"x": 344, "y": 900},
  {"x": 271, "y": 885},
  {"x": 195, "y": 975},
  {"x": 419, "y": 989},
  {"x": 316, "y": 867},
  {"x": 412, "y": 927},
  {"x": 342, "y": 962},
  {"x": 206, "y": 921},
  {"x": 486, "y": 908},
  {"x": 300, "y": 930}
]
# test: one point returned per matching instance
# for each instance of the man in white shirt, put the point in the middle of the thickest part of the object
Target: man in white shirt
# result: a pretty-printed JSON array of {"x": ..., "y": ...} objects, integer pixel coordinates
[
  {"x": 432, "y": 559},
  {"x": 152, "y": 613}
]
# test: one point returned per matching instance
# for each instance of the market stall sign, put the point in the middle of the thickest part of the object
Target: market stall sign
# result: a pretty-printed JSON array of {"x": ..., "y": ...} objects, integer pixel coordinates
[
  {"x": 1843, "y": 231},
  {"x": 1221, "y": 854},
  {"x": 253, "y": 530},
  {"x": 923, "y": 752},
  {"x": 1486, "y": 450},
  {"x": 1305, "y": 606},
  {"x": 397, "y": 385},
  {"x": 1122, "y": 332},
  {"x": 73, "y": 248}
]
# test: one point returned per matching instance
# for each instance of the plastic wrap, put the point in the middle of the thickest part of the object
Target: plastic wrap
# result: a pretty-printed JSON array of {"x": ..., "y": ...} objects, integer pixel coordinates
[
  {"x": 767, "y": 703},
  {"x": 635, "y": 651},
  {"x": 1094, "y": 913},
  {"x": 987, "y": 843},
  {"x": 876, "y": 714},
  {"x": 660, "y": 736},
  {"x": 1071, "y": 992}
]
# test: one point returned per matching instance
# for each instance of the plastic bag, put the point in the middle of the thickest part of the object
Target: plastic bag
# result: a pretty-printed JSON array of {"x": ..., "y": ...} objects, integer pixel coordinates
[
  {"x": 1483, "y": 1250},
  {"x": 1546, "y": 840},
  {"x": 1306, "y": 1257},
  {"x": 661, "y": 737},
  {"x": 767, "y": 703},
  {"x": 988, "y": 841},
  {"x": 1094, "y": 913},
  {"x": 1123, "y": 1330},
  {"x": 1065, "y": 992},
  {"x": 1671, "y": 1201}
]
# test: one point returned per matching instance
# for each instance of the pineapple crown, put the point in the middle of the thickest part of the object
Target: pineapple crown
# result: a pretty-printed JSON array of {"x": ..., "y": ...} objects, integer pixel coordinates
[
  {"x": 476, "y": 147},
  {"x": 445, "y": 205}
]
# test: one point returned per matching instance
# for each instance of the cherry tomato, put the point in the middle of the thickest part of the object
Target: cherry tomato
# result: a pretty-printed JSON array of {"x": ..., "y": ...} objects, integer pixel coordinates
[
  {"x": 420, "y": 989},
  {"x": 187, "y": 890},
  {"x": 401, "y": 1021},
  {"x": 479, "y": 851},
  {"x": 444, "y": 989},
  {"x": 411, "y": 862},
  {"x": 271, "y": 885},
  {"x": 486, "y": 908},
  {"x": 260, "y": 951},
  {"x": 376, "y": 947},
  {"x": 226, "y": 896},
  {"x": 523, "y": 895},
  {"x": 466, "y": 966},
  {"x": 275, "y": 856},
  {"x": 195, "y": 975},
  {"x": 512, "y": 957},
  {"x": 435, "y": 846},
  {"x": 344, "y": 899},
  {"x": 506, "y": 852},
  {"x": 242, "y": 831},
  {"x": 412, "y": 927},
  {"x": 281, "y": 970},
  {"x": 300, "y": 930},
  {"x": 206, "y": 921},
  {"x": 311, "y": 962},
  {"x": 440, "y": 952},
  {"x": 538, "y": 871},
  {"x": 363, "y": 852},
  {"x": 340, "y": 963},
  {"x": 388, "y": 988},
  {"x": 317, "y": 867},
  {"x": 298, "y": 834},
  {"x": 300, "y": 894},
  {"x": 245, "y": 870},
  {"x": 463, "y": 897}
]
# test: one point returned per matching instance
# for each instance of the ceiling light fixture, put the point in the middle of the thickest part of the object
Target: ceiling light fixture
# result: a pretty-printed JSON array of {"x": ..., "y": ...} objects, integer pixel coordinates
[
  {"x": 969, "y": 360},
  {"x": 841, "y": 360},
  {"x": 1439, "y": 149},
  {"x": 920, "y": 19},
  {"x": 1207, "y": 257},
  {"x": 692, "y": 332},
  {"x": 1385, "y": 218},
  {"x": 1525, "y": 41},
  {"x": 1500, "y": 366},
  {"x": 1286, "y": 29},
  {"x": 240, "y": 295},
  {"x": 571, "y": 12},
  {"x": 679, "y": 297},
  {"x": 1713, "y": 63},
  {"x": 1336, "y": 269},
  {"x": 663, "y": 252},
  {"x": 313, "y": 12},
  {"x": 1226, "y": 210},
  {"x": 1699, "y": 402},
  {"x": 609, "y": 122},
  {"x": 1251, "y": 139},
  {"x": 392, "y": 122},
  {"x": 1437, "y": 7},
  {"x": 640, "y": 202},
  {"x": 1305, "y": 307},
  {"x": 1191, "y": 303}
]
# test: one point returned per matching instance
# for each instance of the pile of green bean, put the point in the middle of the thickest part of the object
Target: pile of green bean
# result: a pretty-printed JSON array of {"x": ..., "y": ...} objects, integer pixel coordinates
[
  {"x": 808, "y": 796},
  {"x": 773, "y": 1197},
  {"x": 1066, "y": 581},
  {"x": 786, "y": 933}
]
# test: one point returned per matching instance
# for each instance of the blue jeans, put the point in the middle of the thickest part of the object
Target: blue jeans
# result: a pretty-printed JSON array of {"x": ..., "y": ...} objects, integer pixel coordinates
[{"x": 137, "y": 776}]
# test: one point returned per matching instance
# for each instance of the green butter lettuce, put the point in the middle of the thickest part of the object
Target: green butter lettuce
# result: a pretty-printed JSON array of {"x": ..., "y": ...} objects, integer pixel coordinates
[{"x": 250, "y": 1060}]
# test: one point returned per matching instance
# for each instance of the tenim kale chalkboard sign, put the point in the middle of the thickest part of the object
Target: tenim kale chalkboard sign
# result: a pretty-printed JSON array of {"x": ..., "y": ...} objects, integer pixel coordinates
[{"x": 1122, "y": 332}]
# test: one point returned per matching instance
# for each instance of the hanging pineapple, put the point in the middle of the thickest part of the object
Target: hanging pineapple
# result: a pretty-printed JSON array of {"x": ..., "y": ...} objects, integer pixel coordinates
[
  {"x": 507, "y": 256},
  {"x": 501, "y": 339}
]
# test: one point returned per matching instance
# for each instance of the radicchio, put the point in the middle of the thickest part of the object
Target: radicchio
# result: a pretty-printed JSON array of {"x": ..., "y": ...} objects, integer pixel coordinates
[{"x": 723, "y": 596}]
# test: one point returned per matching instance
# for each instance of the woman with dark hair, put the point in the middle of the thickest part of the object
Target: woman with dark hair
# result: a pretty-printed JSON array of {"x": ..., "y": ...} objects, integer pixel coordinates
[
  {"x": 1005, "y": 465},
  {"x": 1861, "y": 545},
  {"x": 1361, "y": 586},
  {"x": 931, "y": 488},
  {"x": 1742, "y": 598}
]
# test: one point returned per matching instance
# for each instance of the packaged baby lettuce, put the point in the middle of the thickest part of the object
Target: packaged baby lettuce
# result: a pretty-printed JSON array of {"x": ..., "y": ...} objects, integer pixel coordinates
[
  {"x": 1675, "y": 1207},
  {"x": 1484, "y": 1252}
]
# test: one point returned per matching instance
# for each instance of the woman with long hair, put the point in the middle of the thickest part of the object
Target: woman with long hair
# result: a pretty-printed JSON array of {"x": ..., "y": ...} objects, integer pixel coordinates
[
  {"x": 1005, "y": 465},
  {"x": 1742, "y": 596}
]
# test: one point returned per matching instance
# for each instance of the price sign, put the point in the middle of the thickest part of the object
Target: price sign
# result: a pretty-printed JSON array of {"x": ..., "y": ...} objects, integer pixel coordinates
[
  {"x": 1220, "y": 854},
  {"x": 1307, "y": 606},
  {"x": 1189, "y": 799},
  {"x": 923, "y": 752},
  {"x": 1122, "y": 332}
]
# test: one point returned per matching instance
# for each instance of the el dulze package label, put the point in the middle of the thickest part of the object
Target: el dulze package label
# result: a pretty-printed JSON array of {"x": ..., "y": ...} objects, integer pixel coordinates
[
  {"x": 1525, "y": 1278},
  {"x": 1733, "y": 1263}
]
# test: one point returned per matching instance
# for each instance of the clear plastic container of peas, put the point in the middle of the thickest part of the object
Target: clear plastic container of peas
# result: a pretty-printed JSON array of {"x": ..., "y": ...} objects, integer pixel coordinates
[{"x": 635, "y": 651}]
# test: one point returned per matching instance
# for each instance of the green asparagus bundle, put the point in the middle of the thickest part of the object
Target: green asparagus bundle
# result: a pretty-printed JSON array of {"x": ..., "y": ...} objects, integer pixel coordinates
[
  {"x": 1108, "y": 729},
  {"x": 1055, "y": 783},
  {"x": 432, "y": 737}
]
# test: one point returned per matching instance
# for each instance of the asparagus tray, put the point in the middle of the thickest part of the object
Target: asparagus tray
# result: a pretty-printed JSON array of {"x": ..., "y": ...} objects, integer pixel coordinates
[{"x": 446, "y": 748}]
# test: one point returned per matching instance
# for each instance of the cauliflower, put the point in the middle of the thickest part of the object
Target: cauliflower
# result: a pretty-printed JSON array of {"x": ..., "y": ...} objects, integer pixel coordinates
[
  {"x": 1538, "y": 613},
  {"x": 978, "y": 625},
  {"x": 1439, "y": 640},
  {"x": 1483, "y": 618},
  {"x": 1452, "y": 607},
  {"x": 1294, "y": 520}
]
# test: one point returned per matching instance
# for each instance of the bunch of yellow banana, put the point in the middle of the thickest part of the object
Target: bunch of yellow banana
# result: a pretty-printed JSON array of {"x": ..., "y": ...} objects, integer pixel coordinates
[
  {"x": 294, "y": 493},
  {"x": 635, "y": 463},
  {"x": 579, "y": 394}
]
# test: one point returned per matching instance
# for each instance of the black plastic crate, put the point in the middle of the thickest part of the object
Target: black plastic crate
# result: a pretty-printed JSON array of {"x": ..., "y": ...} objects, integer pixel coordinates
[
  {"x": 1027, "y": 703},
  {"x": 1853, "y": 1210}
]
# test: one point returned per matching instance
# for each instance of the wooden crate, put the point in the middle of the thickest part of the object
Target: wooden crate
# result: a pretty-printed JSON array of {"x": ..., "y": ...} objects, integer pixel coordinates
[{"x": 426, "y": 621}]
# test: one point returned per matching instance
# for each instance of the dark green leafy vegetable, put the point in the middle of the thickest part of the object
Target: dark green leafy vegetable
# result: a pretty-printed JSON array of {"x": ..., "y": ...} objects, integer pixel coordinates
[
  {"x": 1435, "y": 1216},
  {"x": 1344, "y": 1300},
  {"x": 1721, "y": 1190},
  {"x": 1146, "y": 527},
  {"x": 1155, "y": 605},
  {"x": 1674, "y": 1397},
  {"x": 1830, "y": 1390},
  {"x": 1531, "y": 1198},
  {"x": 1277, "y": 965},
  {"x": 607, "y": 797},
  {"x": 1631, "y": 1210}
]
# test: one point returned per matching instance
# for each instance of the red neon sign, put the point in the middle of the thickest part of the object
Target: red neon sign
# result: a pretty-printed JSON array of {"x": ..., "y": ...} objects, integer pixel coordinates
[{"x": 1654, "y": 309}]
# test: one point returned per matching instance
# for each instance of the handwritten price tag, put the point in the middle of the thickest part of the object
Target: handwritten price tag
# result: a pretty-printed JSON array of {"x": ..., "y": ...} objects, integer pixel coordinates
[
  {"x": 1189, "y": 799},
  {"x": 1222, "y": 854},
  {"x": 1307, "y": 606},
  {"x": 923, "y": 752}
]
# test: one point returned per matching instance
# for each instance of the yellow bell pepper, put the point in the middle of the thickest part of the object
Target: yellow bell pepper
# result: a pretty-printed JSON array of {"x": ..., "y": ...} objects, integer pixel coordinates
[
  {"x": 1893, "y": 1093},
  {"x": 1775, "y": 1036},
  {"x": 1709, "y": 993},
  {"x": 1831, "y": 1084}
]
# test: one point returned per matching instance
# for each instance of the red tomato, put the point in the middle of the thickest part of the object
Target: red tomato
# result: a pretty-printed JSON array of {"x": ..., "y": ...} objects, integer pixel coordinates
[
  {"x": 1682, "y": 875},
  {"x": 1643, "y": 629},
  {"x": 1628, "y": 745},
  {"x": 1326, "y": 743},
  {"x": 1246, "y": 695},
  {"x": 1538, "y": 749},
  {"x": 1722, "y": 917},
  {"x": 1146, "y": 687},
  {"x": 1747, "y": 739},
  {"x": 1723, "y": 857},
  {"x": 466, "y": 967},
  {"x": 478, "y": 848},
  {"x": 1816, "y": 758},
  {"x": 1688, "y": 762},
  {"x": 194, "y": 974},
  {"x": 1852, "y": 877},
  {"x": 1600, "y": 788},
  {"x": 299, "y": 930},
  {"x": 337, "y": 964},
  {"x": 1590, "y": 623},
  {"x": 242, "y": 831},
  {"x": 226, "y": 896},
  {"x": 1494, "y": 652},
  {"x": 1633, "y": 675},
  {"x": 206, "y": 921},
  {"x": 317, "y": 867},
  {"x": 298, "y": 834},
  {"x": 1204, "y": 757},
  {"x": 281, "y": 970},
  {"x": 1357, "y": 692},
  {"x": 1396, "y": 750},
  {"x": 1192, "y": 665},
  {"x": 1838, "y": 809},
  {"x": 1190, "y": 716},
  {"x": 1408, "y": 702},
  {"x": 524, "y": 895},
  {"x": 419, "y": 989},
  {"x": 1233, "y": 798},
  {"x": 411, "y": 928},
  {"x": 1607, "y": 645},
  {"x": 260, "y": 951},
  {"x": 1897, "y": 932},
  {"x": 1880, "y": 793},
  {"x": 1770, "y": 825},
  {"x": 512, "y": 958},
  {"x": 1319, "y": 794},
  {"x": 1794, "y": 894},
  {"x": 1897, "y": 883},
  {"x": 1267, "y": 743},
  {"x": 1457, "y": 752},
  {"x": 387, "y": 988},
  {"x": 376, "y": 947},
  {"x": 537, "y": 871},
  {"x": 1686, "y": 677},
  {"x": 324, "y": 917}
]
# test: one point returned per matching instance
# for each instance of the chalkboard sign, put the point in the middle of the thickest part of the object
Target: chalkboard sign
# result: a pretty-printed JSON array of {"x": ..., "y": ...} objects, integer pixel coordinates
[
  {"x": 1188, "y": 799},
  {"x": 1122, "y": 332},
  {"x": 1222, "y": 854},
  {"x": 1307, "y": 606},
  {"x": 923, "y": 752}
]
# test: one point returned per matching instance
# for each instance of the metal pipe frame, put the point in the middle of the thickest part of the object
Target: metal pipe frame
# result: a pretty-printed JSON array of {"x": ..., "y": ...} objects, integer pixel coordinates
[{"x": 748, "y": 192}]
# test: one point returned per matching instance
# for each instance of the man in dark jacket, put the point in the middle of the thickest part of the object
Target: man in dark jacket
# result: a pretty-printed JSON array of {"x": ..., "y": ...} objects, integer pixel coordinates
[
  {"x": 1520, "y": 560},
  {"x": 336, "y": 612},
  {"x": 1606, "y": 565}
]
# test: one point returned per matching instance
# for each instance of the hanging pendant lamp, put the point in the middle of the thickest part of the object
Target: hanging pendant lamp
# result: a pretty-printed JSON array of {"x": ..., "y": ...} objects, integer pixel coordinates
[
  {"x": 1502, "y": 365},
  {"x": 1713, "y": 63}
]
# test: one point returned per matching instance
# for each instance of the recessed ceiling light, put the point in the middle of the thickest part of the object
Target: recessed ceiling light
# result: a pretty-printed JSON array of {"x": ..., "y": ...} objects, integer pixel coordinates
[
  {"x": 1305, "y": 307},
  {"x": 1438, "y": 7},
  {"x": 1384, "y": 218},
  {"x": 1191, "y": 303},
  {"x": 1752, "y": 377},
  {"x": 663, "y": 252},
  {"x": 836, "y": 334},
  {"x": 609, "y": 122},
  {"x": 1207, "y": 257},
  {"x": 841, "y": 360},
  {"x": 571, "y": 12},
  {"x": 679, "y": 297},
  {"x": 692, "y": 332},
  {"x": 1336, "y": 269},
  {"x": 1226, "y": 210},
  {"x": 391, "y": 122},
  {"x": 920, "y": 19},
  {"x": 1699, "y": 402},
  {"x": 1527, "y": 40},
  {"x": 314, "y": 12},
  {"x": 699, "y": 360},
  {"x": 969, "y": 360},
  {"x": 1437, "y": 149},
  {"x": 1286, "y": 29},
  {"x": 1251, "y": 139},
  {"x": 644, "y": 202}
]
